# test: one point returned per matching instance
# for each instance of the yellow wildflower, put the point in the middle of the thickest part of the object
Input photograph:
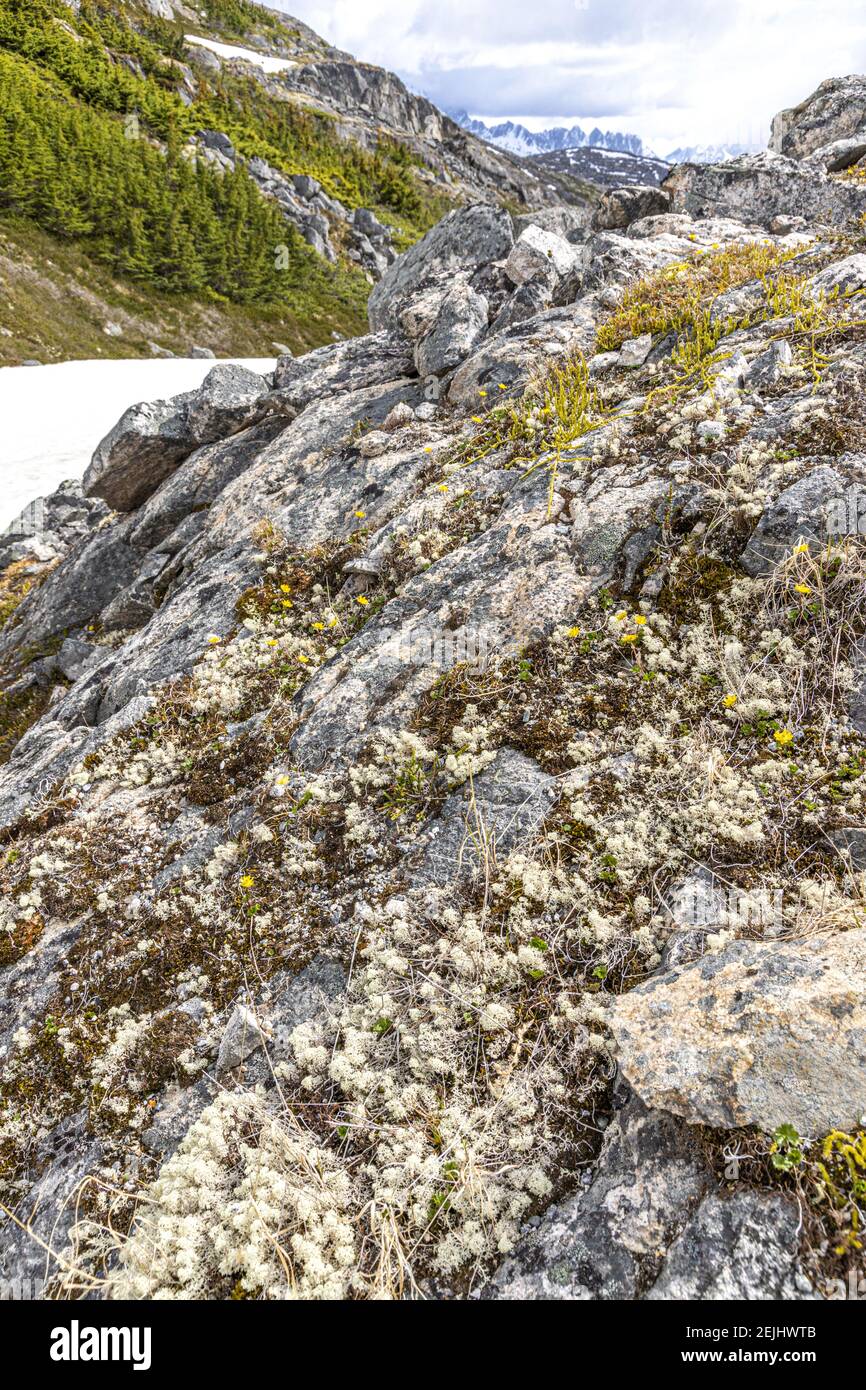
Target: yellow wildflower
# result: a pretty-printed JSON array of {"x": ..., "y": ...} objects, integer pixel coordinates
[
  {"x": 360, "y": 515},
  {"x": 247, "y": 881},
  {"x": 628, "y": 637},
  {"x": 319, "y": 627},
  {"x": 286, "y": 588},
  {"x": 213, "y": 639},
  {"x": 573, "y": 632},
  {"x": 621, "y": 616},
  {"x": 362, "y": 600},
  {"x": 783, "y": 737},
  {"x": 639, "y": 619},
  {"x": 729, "y": 701},
  {"x": 802, "y": 589}
]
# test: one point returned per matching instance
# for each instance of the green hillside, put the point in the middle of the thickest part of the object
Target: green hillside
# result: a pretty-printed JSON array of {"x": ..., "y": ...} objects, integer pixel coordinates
[{"x": 94, "y": 154}]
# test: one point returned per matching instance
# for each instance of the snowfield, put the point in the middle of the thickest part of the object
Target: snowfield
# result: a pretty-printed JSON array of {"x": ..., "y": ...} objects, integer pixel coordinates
[
  {"x": 266, "y": 61},
  {"x": 54, "y": 416}
]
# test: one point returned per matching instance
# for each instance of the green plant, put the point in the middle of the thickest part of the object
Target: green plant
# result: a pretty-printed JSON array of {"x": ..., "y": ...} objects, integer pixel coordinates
[{"x": 786, "y": 1150}]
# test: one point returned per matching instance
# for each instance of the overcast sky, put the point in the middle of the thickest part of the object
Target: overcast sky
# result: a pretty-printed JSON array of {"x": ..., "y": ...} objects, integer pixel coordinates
[{"x": 675, "y": 72}]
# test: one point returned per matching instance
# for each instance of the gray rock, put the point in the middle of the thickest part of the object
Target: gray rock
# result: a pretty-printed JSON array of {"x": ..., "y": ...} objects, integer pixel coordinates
[
  {"x": 802, "y": 512},
  {"x": 150, "y": 439},
  {"x": 200, "y": 57},
  {"x": 511, "y": 356},
  {"x": 177, "y": 1111},
  {"x": 353, "y": 365},
  {"x": 75, "y": 656},
  {"x": 243, "y": 1034},
  {"x": 503, "y": 808},
  {"x": 77, "y": 590},
  {"x": 469, "y": 236},
  {"x": 839, "y": 154},
  {"x": 607, "y": 1242},
  {"x": 295, "y": 999},
  {"x": 566, "y": 221},
  {"x": 843, "y": 277},
  {"x": 741, "y": 1247},
  {"x": 768, "y": 367},
  {"x": 753, "y": 1034},
  {"x": 752, "y": 188},
  {"x": 305, "y": 186},
  {"x": 539, "y": 252},
  {"x": 289, "y": 1001},
  {"x": 851, "y": 844},
  {"x": 836, "y": 110},
  {"x": 535, "y": 297},
  {"x": 857, "y": 698},
  {"x": 400, "y": 416},
  {"x": 619, "y": 207},
  {"x": 31, "y": 1257},
  {"x": 602, "y": 362},
  {"x": 460, "y": 322},
  {"x": 216, "y": 140},
  {"x": 683, "y": 946},
  {"x": 58, "y": 522},
  {"x": 635, "y": 351}
]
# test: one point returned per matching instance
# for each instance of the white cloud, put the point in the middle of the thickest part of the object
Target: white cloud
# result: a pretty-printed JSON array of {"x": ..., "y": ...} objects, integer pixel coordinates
[{"x": 673, "y": 71}]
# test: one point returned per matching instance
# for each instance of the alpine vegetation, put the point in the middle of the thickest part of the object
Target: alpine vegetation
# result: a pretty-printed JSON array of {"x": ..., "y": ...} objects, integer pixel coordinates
[{"x": 433, "y": 855}]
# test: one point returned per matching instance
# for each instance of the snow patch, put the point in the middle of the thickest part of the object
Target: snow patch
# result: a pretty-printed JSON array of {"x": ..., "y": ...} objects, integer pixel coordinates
[{"x": 266, "y": 61}]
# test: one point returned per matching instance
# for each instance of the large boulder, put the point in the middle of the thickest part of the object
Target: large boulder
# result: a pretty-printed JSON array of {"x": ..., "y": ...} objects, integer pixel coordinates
[
  {"x": 150, "y": 440},
  {"x": 539, "y": 252},
  {"x": 757, "y": 1033},
  {"x": 619, "y": 207},
  {"x": 758, "y": 187},
  {"x": 336, "y": 368},
  {"x": 835, "y": 111},
  {"x": 466, "y": 238},
  {"x": 460, "y": 322}
]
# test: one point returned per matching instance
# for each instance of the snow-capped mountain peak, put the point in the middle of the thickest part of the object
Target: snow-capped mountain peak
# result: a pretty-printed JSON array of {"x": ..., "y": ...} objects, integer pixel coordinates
[{"x": 511, "y": 136}]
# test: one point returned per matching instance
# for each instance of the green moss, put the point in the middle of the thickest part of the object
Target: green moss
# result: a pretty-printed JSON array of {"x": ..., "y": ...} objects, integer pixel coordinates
[{"x": 677, "y": 299}]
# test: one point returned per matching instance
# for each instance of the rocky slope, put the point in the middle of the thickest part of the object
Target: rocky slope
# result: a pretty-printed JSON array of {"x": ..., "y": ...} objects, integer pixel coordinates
[{"x": 433, "y": 845}]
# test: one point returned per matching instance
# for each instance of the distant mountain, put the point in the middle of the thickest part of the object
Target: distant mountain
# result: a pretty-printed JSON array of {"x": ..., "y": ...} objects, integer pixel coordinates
[
  {"x": 602, "y": 167},
  {"x": 518, "y": 140},
  {"x": 708, "y": 154}
]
